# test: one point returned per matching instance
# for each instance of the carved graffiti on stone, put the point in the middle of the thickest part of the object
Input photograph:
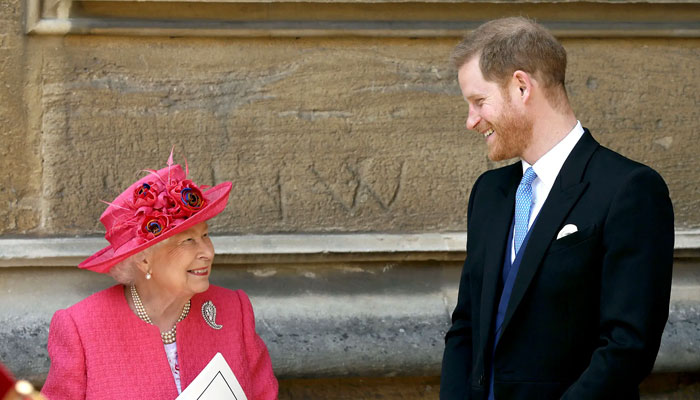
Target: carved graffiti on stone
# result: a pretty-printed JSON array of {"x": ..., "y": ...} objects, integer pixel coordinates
[{"x": 356, "y": 182}]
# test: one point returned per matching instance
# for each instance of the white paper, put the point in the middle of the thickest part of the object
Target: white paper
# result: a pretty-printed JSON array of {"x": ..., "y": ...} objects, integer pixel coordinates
[{"x": 215, "y": 382}]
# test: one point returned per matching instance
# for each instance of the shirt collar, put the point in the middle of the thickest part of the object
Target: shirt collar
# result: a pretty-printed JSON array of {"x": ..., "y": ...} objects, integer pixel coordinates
[{"x": 548, "y": 166}]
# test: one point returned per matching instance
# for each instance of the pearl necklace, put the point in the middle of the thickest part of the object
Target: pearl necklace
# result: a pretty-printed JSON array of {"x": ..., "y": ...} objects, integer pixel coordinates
[{"x": 168, "y": 337}]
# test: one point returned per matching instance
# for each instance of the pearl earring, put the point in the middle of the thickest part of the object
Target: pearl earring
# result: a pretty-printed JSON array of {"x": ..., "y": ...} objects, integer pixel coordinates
[{"x": 148, "y": 275}]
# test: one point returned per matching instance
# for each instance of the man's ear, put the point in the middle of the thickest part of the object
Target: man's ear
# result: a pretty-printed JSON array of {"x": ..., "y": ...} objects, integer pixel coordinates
[{"x": 524, "y": 84}]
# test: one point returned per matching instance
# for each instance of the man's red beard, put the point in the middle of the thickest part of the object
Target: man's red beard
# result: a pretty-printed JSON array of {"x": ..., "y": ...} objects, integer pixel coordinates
[{"x": 512, "y": 134}]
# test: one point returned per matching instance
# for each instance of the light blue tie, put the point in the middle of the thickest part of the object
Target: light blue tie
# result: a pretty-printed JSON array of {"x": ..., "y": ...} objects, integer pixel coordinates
[{"x": 523, "y": 206}]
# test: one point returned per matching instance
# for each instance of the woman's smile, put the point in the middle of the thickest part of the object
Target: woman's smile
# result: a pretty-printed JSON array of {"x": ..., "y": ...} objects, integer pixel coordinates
[{"x": 199, "y": 272}]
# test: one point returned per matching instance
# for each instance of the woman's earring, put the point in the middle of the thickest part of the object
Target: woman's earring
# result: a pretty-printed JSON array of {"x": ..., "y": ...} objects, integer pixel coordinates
[{"x": 148, "y": 275}]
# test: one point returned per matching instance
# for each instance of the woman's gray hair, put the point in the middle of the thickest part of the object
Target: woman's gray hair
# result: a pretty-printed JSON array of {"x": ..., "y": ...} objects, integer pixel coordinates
[{"x": 126, "y": 271}]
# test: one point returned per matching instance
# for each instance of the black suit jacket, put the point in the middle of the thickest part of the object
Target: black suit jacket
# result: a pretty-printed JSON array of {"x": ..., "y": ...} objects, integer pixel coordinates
[{"x": 587, "y": 311}]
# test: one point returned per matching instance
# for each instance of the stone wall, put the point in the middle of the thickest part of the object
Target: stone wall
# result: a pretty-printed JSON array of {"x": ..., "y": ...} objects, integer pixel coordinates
[
  {"x": 341, "y": 134},
  {"x": 325, "y": 135}
]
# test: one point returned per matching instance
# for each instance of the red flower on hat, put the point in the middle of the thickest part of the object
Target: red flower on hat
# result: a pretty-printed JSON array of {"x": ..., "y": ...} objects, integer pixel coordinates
[
  {"x": 160, "y": 206},
  {"x": 146, "y": 194},
  {"x": 188, "y": 197},
  {"x": 153, "y": 225}
]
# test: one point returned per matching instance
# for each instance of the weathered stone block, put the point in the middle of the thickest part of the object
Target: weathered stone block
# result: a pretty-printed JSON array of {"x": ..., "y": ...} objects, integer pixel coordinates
[
  {"x": 329, "y": 135},
  {"x": 639, "y": 98},
  {"x": 316, "y": 135},
  {"x": 21, "y": 169}
]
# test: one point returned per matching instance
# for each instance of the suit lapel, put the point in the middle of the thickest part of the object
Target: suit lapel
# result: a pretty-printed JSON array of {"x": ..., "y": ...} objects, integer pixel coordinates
[
  {"x": 566, "y": 191},
  {"x": 502, "y": 207}
]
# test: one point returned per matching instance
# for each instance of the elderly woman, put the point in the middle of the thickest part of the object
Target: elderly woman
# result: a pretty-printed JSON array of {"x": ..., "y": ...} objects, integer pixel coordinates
[{"x": 149, "y": 336}]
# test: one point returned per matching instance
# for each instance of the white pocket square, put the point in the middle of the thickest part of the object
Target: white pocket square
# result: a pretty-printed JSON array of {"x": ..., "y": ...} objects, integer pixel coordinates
[{"x": 567, "y": 230}]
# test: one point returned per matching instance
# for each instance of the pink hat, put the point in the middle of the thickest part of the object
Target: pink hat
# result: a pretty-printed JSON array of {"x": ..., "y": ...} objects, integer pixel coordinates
[{"x": 153, "y": 209}]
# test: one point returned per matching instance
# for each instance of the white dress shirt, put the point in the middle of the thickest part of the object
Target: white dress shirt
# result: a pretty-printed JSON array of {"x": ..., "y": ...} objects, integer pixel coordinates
[{"x": 547, "y": 168}]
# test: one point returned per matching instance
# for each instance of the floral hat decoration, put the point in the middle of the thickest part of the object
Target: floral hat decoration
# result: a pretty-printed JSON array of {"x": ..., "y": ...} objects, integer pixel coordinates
[{"x": 152, "y": 209}]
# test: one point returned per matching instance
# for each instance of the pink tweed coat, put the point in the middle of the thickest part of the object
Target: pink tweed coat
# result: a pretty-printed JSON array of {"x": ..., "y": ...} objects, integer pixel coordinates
[{"x": 100, "y": 349}]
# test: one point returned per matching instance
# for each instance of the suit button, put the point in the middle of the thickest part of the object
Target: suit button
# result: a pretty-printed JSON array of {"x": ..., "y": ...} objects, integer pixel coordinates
[{"x": 482, "y": 380}]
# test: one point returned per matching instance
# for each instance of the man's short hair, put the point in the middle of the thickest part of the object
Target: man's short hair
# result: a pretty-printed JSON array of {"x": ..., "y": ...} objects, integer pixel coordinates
[{"x": 509, "y": 44}]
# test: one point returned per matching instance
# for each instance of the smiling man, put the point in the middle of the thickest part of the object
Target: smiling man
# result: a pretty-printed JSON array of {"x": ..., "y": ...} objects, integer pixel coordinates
[{"x": 565, "y": 289}]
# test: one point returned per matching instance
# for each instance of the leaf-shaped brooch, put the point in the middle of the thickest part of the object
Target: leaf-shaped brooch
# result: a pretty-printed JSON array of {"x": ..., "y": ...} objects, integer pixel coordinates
[{"x": 209, "y": 314}]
